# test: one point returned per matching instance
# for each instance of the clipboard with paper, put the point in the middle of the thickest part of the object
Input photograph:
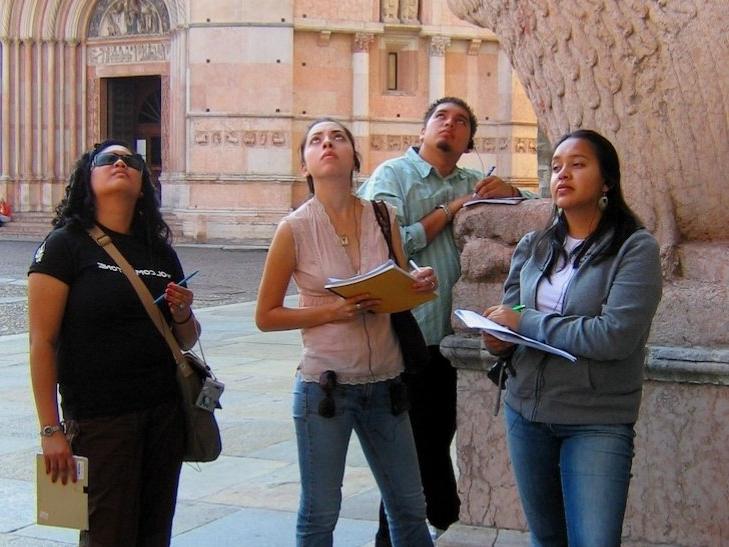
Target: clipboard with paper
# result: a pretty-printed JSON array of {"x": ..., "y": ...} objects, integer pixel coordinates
[
  {"x": 475, "y": 321},
  {"x": 65, "y": 505}
]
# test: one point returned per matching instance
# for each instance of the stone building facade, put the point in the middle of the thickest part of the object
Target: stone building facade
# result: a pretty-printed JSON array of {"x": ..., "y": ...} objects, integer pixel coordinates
[{"x": 218, "y": 94}]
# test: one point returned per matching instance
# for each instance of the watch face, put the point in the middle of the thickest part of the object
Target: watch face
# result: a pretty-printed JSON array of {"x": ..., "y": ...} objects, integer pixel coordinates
[{"x": 49, "y": 430}]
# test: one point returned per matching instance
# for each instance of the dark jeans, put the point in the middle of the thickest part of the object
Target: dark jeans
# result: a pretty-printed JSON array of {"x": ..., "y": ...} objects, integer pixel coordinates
[
  {"x": 134, "y": 468},
  {"x": 433, "y": 416}
]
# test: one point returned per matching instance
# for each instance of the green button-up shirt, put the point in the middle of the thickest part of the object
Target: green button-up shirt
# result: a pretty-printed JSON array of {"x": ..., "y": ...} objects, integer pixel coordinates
[{"x": 415, "y": 188}]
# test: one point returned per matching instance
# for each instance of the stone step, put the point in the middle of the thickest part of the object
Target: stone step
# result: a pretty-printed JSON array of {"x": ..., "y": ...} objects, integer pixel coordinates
[{"x": 27, "y": 226}]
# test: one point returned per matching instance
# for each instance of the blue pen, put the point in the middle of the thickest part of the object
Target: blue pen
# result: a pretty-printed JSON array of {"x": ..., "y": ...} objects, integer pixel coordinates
[
  {"x": 182, "y": 283},
  {"x": 488, "y": 174}
]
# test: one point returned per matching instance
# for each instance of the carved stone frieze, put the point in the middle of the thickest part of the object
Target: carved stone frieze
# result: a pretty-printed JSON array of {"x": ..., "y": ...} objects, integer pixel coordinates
[
  {"x": 128, "y": 53},
  {"x": 242, "y": 138},
  {"x": 488, "y": 145}
]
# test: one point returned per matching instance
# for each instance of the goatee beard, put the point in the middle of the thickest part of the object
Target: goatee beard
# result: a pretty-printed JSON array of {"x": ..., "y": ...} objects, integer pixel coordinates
[{"x": 444, "y": 146}]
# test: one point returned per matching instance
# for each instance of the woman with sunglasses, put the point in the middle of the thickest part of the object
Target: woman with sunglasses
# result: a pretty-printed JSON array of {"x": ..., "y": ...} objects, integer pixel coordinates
[
  {"x": 91, "y": 336},
  {"x": 348, "y": 377}
]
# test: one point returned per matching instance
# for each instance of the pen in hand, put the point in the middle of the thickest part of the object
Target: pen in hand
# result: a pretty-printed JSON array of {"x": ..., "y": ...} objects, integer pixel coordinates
[
  {"x": 413, "y": 265},
  {"x": 488, "y": 174},
  {"x": 518, "y": 308},
  {"x": 182, "y": 283}
]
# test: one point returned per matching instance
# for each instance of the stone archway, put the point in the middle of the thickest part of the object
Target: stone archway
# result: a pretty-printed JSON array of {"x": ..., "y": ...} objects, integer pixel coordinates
[{"x": 52, "y": 57}]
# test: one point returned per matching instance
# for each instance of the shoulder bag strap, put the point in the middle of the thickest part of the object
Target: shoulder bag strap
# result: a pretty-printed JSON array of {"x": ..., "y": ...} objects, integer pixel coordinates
[
  {"x": 383, "y": 219},
  {"x": 104, "y": 241}
]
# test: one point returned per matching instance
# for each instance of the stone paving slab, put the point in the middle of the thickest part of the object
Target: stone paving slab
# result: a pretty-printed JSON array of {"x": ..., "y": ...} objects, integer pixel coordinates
[{"x": 249, "y": 495}]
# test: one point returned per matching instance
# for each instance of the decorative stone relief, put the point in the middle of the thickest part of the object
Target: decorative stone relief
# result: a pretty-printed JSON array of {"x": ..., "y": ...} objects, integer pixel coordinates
[
  {"x": 239, "y": 139},
  {"x": 92, "y": 109},
  {"x": 129, "y": 17},
  {"x": 362, "y": 41},
  {"x": 409, "y": 12},
  {"x": 128, "y": 53},
  {"x": 400, "y": 11},
  {"x": 438, "y": 45},
  {"x": 489, "y": 145},
  {"x": 389, "y": 11},
  {"x": 165, "y": 121}
]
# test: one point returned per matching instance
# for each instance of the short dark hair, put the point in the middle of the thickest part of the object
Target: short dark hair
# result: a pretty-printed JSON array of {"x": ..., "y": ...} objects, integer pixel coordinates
[
  {"x": 617, "y": 216},
  {"x": 77, "y": 206},
  {"x": 472, "y": 120},
  {"x": 347, "y": 132}
]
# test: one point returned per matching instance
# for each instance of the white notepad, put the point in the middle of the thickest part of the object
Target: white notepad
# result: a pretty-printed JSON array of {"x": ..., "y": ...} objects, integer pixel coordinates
[
  {"x": 475, "y": 321},
  {"x": 59, "y": 504}
]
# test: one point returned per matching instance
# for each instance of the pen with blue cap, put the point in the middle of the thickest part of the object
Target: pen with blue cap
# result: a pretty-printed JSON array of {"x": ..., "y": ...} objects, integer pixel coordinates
[{"x": 182, "y": 283}]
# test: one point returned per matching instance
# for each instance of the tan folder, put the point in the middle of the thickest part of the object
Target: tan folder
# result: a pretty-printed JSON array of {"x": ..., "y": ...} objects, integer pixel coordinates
[{"x": 59, "y": 504}]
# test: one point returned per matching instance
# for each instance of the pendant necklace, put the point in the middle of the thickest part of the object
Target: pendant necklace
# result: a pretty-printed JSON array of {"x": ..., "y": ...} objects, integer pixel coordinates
[{"x": 344, "y": 238}]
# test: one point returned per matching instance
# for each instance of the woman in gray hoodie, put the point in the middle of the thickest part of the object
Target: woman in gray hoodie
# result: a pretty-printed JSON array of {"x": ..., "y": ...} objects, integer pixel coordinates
[{"x": 589, "y": 284}]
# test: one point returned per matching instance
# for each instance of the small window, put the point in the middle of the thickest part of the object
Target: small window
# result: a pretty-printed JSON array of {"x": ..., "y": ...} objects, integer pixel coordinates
[{"x": 392, "y": 71}]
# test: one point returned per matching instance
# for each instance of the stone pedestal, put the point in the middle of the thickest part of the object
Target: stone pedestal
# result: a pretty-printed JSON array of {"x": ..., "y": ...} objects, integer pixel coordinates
[{"x": 678, "y": 494}]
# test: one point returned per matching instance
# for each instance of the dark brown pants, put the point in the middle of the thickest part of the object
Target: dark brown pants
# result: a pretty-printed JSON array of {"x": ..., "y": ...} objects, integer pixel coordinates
[{"x": 134, "y": 468}]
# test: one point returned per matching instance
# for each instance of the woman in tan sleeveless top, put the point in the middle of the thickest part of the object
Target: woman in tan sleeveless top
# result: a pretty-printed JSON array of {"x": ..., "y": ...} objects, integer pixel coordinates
[{"x": 348, "y": 377}]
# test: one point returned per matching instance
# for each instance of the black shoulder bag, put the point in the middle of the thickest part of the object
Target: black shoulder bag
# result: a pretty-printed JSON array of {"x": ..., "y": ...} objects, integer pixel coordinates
[{"x": 415, "y": 354}]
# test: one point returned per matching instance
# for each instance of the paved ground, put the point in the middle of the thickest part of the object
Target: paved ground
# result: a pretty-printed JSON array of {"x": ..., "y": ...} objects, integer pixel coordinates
[{"x": 248, "y": 497}]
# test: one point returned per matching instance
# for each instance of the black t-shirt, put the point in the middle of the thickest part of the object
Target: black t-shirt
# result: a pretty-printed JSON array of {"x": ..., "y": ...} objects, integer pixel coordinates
[{"x": 111, "y": 359}]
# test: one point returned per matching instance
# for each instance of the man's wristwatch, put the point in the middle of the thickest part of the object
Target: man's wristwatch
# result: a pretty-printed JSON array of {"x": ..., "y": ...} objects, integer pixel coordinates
[
  {"x": 446, "y": 210},
  {"x": 49, "y": 430}
]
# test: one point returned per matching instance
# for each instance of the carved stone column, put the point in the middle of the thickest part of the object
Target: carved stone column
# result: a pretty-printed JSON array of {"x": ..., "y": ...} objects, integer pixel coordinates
[
  {"x": 361, "y": 91},
  {"x": 361, "y": 74},
  {"x": 436, "y": 87},
  {"x": 48, "y": 140},
  {"x": 5, "y": 158},
  {"x": 71, "y": 88}
]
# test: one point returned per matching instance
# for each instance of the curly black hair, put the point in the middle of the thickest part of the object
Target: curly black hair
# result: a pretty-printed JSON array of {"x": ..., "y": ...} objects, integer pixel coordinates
[{"x": 78, "y": 205}]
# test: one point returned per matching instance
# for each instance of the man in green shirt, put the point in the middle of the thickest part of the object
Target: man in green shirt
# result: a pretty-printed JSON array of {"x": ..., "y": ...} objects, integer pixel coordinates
[{"x": 428, "y": 189}]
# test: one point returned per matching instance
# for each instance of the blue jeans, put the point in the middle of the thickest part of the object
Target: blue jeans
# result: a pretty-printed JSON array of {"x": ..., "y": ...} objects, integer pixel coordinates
[
  {"x": 572, "y": 479},
  {"x": 387, "y": 443}
]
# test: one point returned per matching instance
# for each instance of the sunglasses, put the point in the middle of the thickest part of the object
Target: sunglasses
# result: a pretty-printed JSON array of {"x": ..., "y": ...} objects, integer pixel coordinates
[
  {"x": 327, "y": 382},
  {"x": 135, "y": 161}
]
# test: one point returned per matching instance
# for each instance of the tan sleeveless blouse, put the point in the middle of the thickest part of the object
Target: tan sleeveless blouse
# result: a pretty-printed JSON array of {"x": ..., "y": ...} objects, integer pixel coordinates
[{"x": 364, "y": 348}]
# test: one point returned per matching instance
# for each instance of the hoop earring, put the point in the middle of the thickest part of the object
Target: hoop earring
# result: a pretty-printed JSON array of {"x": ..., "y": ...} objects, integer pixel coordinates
[{"x": 602, "y": 203}]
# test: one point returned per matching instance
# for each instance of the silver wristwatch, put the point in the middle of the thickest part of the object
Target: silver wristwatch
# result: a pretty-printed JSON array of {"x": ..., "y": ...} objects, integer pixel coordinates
[{"x": 49, "y": 430}]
